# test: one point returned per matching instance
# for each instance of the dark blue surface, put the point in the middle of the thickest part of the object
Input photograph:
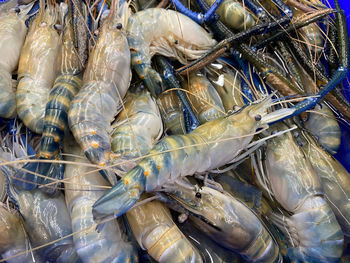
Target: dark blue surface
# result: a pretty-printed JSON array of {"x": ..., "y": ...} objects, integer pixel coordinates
[{"x": 343, "y": 154}]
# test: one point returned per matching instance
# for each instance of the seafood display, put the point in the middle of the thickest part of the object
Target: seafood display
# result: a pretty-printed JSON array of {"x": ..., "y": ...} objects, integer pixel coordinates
[{"x": 174, "y": 131}]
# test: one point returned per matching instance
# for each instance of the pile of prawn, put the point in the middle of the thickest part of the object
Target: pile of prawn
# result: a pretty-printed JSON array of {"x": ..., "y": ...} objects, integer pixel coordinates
[{"x": 174, "y": 131}]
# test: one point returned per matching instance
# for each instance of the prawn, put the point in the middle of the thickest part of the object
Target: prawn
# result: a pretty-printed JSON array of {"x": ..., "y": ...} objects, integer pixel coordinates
[
  {"x": 106, "y": 80},
  {"x": 109, "y": 245},
  {"x": 65, "y": 87},
  {"x": 37, "y": 68},
  {"x": 207, "y": 147},
  {"x": 166, "y": 32},
  {"x": 334, "y": 178},
  {"x": 228, "y": 222},
  {"x": 137, "y": 128},
  {"x": 314, "y": 232}
]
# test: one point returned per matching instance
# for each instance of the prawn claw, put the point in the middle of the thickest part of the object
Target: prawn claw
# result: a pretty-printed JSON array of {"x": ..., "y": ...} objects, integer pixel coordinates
[{"x": 120, "y": 198}]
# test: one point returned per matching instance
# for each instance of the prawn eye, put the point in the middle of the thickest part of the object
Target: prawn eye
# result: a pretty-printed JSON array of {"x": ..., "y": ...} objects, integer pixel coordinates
[
  {"x": 257, "y": 117},
  {"x": 198, "y": 195},
  {"x": 119, "y": 26},
  {"x": 17, "y": 10},
  {"x": 235, "y": 108}
]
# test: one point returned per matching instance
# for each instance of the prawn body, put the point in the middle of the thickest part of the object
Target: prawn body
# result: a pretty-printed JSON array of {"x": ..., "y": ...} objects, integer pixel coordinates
[
  {"x": 108, "y": 245},
  {"x": 12, "y": 35},
  {"x": 334, "y": 178},
  {"x": 156, "y": 232},
  {"x": 234, "y": 15},
  {"x": 172, "y": 113},
  {"x": 323, "y": 125},
  {"x": 229, "y": 222},
  {"x": 37, "y": 69},
  {"x": 138, "y": 128},
  {"x": 228, "y": 85},
  {"x": 66, "y": 86},
  {"x": 106, "y": 80}
]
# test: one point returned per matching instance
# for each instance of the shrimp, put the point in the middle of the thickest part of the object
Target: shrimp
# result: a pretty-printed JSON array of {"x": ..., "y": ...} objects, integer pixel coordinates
[
  {"x": 234, "y": 15},
  {"x": 12, "y": 34},
  {"x": 166, "y": 32},
  {"x": 106, "y": 80},
  {"x": 13, "y": 238},
  {"x": 66, "y": 86},
  {"x": 207, "y": 103},
  {"x": 228, "y": 222},
  {"x": 138, "y": 127},
  {"x": 207, "y": 147},
  {"x": 107, "y": 245},
  {"x": 314, "y": 232},
  {"x": 322, "y": 123},
  {"x": 172, "y": 113},
  {"x": 156, "y": 232},
  {"x": 334, "y": 178},
  {"x": 37, "y": 68}
]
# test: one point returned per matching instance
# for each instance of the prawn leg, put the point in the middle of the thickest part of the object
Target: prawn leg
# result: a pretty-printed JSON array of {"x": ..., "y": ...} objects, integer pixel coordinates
[{"x": 173, "y": 83}]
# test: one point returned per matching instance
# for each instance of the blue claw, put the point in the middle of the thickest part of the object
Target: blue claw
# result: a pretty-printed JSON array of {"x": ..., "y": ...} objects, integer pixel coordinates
[
  {"x": 118, "y": 200},
  {"x": 197, "y": 17},
  {"x": 244, "y": 85},
  {"x": 191, "y": 121},
  {"x": 309, "y": 103},
  {"x": 28, "y": 180}
]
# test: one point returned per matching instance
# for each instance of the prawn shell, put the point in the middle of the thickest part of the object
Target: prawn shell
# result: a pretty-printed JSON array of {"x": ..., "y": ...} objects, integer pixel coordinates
[{"x": 12, "y": 35}]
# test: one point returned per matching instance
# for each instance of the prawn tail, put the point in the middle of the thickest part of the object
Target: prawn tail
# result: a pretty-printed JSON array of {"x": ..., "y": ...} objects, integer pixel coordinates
[
  {"x": 34, "y": 174},
  {"x": 118, "y": 200}
]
